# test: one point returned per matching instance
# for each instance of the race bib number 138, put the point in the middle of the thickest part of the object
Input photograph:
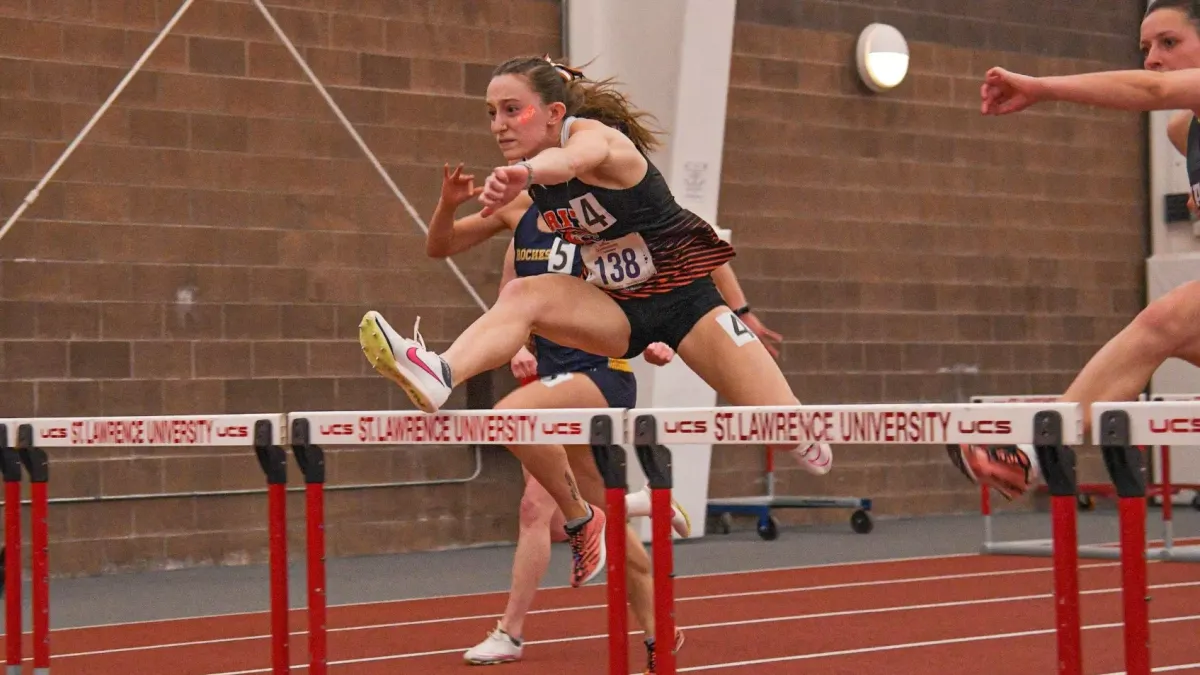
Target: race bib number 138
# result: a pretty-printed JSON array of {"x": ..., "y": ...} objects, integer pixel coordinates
[{"x": 619, "y": 263}]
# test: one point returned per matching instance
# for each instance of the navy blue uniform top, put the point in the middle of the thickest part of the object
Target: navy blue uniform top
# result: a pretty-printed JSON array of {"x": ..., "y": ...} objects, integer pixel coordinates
[{"x": 537, "y": 252}]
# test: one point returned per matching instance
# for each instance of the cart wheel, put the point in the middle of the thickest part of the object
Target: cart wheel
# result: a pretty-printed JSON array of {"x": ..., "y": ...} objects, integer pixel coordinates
[
  {"x": 1085, "y": 502},
  {"x": 769, "y": 530},
  {"x": 725, "y": 523},
  {"x": 860, "y": 522}
]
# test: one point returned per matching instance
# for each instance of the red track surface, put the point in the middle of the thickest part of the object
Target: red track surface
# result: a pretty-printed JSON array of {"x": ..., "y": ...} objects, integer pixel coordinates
[{"x": 963, "y": 614}]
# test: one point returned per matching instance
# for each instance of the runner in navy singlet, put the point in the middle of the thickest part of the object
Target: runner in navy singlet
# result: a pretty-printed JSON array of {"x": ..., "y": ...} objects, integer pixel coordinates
[{"x": 1168, "y": 326}]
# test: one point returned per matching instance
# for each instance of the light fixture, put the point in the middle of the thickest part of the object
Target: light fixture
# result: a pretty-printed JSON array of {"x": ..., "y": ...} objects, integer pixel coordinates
[{"x": 882, "y": 56}]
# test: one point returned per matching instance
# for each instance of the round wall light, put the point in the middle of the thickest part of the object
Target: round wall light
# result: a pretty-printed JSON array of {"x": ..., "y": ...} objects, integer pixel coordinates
[{"x": 882, "y": 56}]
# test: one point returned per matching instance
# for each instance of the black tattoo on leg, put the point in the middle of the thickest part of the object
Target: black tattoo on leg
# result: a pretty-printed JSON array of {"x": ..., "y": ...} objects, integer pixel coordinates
[{"x": 571, "y": 484}]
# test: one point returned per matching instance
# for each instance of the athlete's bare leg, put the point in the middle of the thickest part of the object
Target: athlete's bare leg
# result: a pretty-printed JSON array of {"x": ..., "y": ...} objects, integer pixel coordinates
[
  {"x": 560, "y": 308},
  {"x": 1168, "y": 327},
  {"x": 734, "y": 362},
  {"x": 532, "y": 556},
  {"x": 548, "y": 464}
]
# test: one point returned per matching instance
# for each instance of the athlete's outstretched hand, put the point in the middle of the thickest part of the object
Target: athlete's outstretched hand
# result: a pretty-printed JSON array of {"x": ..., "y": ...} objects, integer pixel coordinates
[
  {"x": 458, "y": 187},
  {"x": 503, "y": 186},
  {"x": 1004, "y": 92},
  {"x": 658, "y": 354}
]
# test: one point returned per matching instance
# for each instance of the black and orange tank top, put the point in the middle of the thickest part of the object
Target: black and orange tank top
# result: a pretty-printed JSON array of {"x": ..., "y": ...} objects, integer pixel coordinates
[{"x": 634, "y": 242}]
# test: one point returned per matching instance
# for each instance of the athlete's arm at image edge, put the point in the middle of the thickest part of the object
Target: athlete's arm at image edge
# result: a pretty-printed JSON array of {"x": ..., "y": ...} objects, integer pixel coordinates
[{"x": 1141, "y": 90}]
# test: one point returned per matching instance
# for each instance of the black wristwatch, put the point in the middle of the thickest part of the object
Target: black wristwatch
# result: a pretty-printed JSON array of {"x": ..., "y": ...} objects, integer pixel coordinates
[{"x": 742, "y": 311}]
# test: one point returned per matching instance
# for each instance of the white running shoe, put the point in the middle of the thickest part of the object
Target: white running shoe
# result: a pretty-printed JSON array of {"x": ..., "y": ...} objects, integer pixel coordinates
[
  {"x": 815, "y": 458},
  {"x": 638, "y": 504},
  {"x": 419, "y": 372},
  {"x": 498, "y": 647}
]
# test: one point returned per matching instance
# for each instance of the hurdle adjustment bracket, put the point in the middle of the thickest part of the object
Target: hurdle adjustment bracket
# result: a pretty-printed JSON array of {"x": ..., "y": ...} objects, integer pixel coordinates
[
  {"x": 1057, "y": 460},
  {"x": 654, "y": 458},
  {"x": 34, "y": 458},
  {"x": 610, "y": 458},
  {"x": 10, "y": 459},
  {"x": 1124, "y": 461},
  {"x": 270, "y": 456},
  {"x": 310, "y": 458}
]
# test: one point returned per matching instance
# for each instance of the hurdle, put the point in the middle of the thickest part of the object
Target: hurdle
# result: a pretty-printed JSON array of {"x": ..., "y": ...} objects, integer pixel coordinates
[
  {"x": 1166, "y": 487},
  {"x": 28, "y": 449},
  {"x": 1028, "y": 547},
  {"x": 1042, "y": 547},
  {"x": 601, "y": 429},
  {"x": 1051, "y": 427}
]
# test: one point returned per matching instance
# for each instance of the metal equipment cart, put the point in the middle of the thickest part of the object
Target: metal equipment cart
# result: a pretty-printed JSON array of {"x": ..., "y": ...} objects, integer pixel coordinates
[{"x": 768, "y": 527}]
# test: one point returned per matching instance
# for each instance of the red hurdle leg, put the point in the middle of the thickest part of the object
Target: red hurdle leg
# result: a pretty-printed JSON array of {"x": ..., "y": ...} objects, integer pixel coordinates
[
  {"x": 1133, "y": 585},
  {"x": 610, "y": 461},
  {"x": 664, "y": 580},
  {"x": 1125, "y": 463},
  {"x": 1066, "y": 584},
  {"x": 41, "y": 579},
  {"x": 618, "y": 615},
  {"x": 37, "y": 464},
  {"x": 1058, "y": 469},
  {"x": 274, "y": 464},
  {"x": 11, "y": 465},
  {"x": 311, "y": 459}
]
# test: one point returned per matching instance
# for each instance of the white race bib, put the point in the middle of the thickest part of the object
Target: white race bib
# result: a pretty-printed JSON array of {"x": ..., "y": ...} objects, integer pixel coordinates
[
  {"x": 562, "y": 257},
  {"x": 619, "y": 263}
]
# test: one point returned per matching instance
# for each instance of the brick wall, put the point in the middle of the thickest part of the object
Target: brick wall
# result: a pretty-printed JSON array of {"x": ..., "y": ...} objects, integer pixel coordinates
[
  {"x": 212, "y": 244},
  {"x": 892, "y": 236}
]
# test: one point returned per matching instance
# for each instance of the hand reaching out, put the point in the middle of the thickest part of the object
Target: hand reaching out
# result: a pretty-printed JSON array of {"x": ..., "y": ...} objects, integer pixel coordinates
[
  {"x": 658, "y": 354},
  {"x": 457, "y": 187}
]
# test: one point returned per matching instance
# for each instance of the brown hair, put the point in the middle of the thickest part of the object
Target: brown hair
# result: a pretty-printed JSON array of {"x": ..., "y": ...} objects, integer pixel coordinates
[
  {"x": 597, "y": 100},
  {"x": 1189, "y": 7}
]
